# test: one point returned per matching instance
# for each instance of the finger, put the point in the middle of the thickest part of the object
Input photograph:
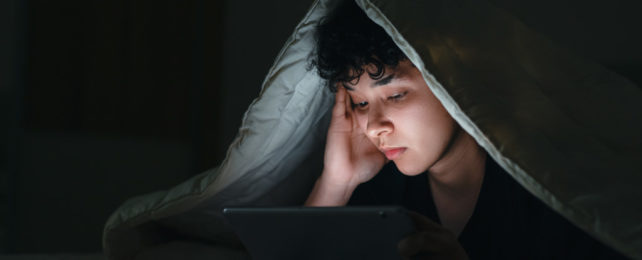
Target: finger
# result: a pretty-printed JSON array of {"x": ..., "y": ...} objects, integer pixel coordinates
[
  {"x": 421, "y": 242},
  {"x": 339, "y": 108},
  {"x": 347, "y": 103},
  {"x": 349, "y": 111},
  {"x": 423, "y": 223},
  {"x": 408, "y": 247}
]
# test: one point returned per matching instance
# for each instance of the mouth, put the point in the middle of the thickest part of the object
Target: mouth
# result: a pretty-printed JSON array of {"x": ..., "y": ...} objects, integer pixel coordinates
[{"x": 393, "y": 153}]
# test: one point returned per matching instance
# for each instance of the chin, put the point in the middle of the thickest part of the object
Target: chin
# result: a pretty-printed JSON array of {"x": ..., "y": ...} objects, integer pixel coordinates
[{"x": 410, "y": 169}]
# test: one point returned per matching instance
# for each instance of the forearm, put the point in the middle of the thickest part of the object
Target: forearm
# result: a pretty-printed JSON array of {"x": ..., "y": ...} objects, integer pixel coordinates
[{"x": 329, "y": 193}]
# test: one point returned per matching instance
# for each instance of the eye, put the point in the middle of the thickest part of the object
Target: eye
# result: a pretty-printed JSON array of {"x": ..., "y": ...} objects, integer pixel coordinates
[
  {"x": 398, "y": 96},
  {"x": 360, "y": 105}
]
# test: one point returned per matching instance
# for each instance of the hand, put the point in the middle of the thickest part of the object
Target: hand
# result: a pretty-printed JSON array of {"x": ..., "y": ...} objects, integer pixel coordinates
[
  {"x": 431, "y": 241},
  {"x": 350, "y": 157}
]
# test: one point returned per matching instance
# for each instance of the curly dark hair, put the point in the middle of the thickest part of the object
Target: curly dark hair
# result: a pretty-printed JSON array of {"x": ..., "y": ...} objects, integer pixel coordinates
[{"x": 347, "y": 41}]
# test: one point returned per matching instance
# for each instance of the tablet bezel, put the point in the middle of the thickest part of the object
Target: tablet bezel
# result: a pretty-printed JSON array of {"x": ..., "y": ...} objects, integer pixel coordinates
[{"x": 320, "y": 232}]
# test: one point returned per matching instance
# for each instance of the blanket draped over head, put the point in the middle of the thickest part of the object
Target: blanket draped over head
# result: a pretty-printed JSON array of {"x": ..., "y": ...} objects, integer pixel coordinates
[{"x": 565, "y": 128}]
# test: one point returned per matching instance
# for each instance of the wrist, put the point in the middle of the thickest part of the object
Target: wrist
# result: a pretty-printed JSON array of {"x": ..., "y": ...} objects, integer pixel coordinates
[
  {"x": 337, "y": 182},
  {"x": 331, "y": 191}
]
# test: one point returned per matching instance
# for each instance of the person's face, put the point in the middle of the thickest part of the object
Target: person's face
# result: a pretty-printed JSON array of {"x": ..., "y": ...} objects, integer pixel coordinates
[{"x": 402, "y": 117}]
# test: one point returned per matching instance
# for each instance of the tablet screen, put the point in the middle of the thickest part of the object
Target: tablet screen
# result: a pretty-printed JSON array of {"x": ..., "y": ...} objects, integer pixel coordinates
[{"x": 321, "y": 232}]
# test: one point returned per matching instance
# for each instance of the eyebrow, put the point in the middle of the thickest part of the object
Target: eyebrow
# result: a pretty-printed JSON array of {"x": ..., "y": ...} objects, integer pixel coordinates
[
  {"x": 380, "y": 82},
  {"x": 383, "y": 81}
]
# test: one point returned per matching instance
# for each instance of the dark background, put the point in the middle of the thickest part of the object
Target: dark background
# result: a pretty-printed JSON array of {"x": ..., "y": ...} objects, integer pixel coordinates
[{"x": 104, "y": 100}]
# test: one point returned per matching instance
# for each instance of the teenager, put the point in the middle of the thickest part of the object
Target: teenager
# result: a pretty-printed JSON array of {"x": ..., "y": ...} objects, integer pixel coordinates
[{"x": 391, "y": 141}]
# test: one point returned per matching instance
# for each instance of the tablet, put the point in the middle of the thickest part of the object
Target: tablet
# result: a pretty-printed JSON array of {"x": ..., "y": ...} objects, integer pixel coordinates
[{"x": 321, "y": 232}]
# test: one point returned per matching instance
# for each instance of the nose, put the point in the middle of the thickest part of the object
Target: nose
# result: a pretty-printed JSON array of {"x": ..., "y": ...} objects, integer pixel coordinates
[{"x": 378, "y": 123}]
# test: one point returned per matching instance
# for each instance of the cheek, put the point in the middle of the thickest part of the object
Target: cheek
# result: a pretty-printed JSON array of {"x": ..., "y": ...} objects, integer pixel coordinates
[
  {"x": 432, "y": 128},
  {"x": 436, "y": 124},
  {"x": 429, "y": 112}
]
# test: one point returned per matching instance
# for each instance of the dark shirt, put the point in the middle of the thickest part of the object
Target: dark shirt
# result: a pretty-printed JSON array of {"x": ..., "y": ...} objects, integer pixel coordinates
[{"x": 507, "y": 223}]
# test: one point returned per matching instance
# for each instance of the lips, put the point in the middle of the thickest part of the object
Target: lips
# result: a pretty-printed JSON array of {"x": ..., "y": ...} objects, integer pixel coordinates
[{"x": 393, "y": 153}]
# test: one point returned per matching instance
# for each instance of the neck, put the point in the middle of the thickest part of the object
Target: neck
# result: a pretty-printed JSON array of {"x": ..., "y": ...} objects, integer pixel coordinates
[
  {"x": 456, "y": 180},
  {"x": 460, "y": 170}
]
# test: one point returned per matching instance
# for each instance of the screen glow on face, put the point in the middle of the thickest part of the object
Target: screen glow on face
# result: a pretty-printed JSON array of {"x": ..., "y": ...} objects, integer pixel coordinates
[{"x": 402, "y": 117}]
